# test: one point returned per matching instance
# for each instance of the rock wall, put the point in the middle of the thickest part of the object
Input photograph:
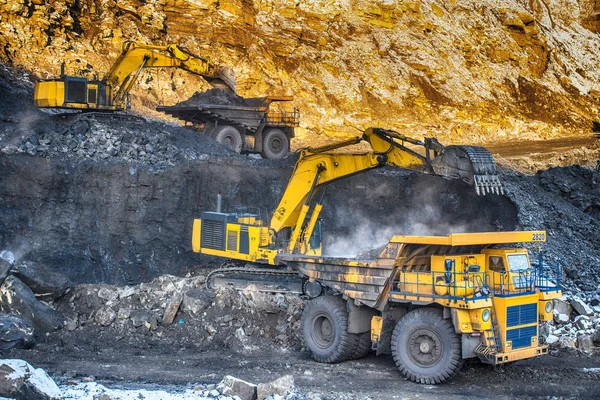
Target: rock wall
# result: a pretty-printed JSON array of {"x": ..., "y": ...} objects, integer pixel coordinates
[
  {"x": 119, "y": 222},
  {"x": 455, "y": 68}
]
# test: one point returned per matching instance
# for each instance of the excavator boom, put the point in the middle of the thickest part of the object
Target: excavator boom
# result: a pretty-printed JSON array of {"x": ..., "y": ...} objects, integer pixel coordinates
[
  {"x": 317, "y": 167},
  {"x": 110, "y": 93}
]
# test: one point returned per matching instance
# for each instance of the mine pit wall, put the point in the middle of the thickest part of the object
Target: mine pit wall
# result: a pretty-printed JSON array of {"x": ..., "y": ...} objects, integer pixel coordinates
[{"x": 121, "y": 223}]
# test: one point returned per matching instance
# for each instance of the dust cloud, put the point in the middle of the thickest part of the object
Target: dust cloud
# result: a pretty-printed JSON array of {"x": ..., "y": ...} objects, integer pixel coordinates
[{"x": 432, "y": 207}]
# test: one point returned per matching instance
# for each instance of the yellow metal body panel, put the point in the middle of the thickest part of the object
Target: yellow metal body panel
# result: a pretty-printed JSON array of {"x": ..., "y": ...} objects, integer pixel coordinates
[
  {"x": 469, "y": 239},
  {"x": 376, "y": 326},
  {"x": 49, "y": 94},
  {"x": 469, "y": 321},
  {"x": 520, "y": 354},
  {"x": 196, "y": 229}
]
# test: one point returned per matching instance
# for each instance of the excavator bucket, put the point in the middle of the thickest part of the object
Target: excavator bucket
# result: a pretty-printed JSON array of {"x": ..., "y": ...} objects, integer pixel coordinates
[
  {"x": 472, "y": 164},
  {"x": 225, "y": 78}
]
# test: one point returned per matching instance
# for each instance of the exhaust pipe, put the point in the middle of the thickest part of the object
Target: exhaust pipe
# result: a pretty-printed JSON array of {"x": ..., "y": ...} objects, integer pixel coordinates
[{"x": 219, "y": 203}]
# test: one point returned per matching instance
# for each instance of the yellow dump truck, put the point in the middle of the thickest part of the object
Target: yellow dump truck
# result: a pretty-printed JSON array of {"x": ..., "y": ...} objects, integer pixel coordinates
[{"x": 431, "y": 301}]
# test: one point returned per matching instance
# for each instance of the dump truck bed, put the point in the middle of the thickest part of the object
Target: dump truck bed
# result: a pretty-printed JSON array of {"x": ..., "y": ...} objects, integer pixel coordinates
[
  {"x": 366, "y": 281},
  {"x": 247, "y": 117}
]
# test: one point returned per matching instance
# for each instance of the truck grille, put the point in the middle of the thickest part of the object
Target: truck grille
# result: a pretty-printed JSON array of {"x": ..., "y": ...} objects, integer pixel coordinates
[
  {"x": 213, "y": 235},
  {"x": 521, "y": 315},
  {"x": 521, "y": 337}
]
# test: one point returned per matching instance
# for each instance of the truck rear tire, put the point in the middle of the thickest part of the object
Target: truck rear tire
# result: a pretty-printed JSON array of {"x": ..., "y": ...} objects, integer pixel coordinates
[
  {"x": 229, "y": 136},
  {"x": 425, "y": 347},
  {"x": 325, "y": 328},
  {"x": 276, "y": 144},
  {"x": 363, "y": 346}
]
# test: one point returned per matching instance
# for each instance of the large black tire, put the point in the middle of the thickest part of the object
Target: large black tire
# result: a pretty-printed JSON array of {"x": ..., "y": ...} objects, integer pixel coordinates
[
  {"x": 425, "y": 347},
  {"x": 276, "y": 144},
  {"x": 229, "y": 136},
  {"x": 325, "y": 328},
  {"x": 363, "y": 346}
]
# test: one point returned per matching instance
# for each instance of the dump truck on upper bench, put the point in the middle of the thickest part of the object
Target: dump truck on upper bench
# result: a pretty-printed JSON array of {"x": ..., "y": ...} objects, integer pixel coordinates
[
  {"x": 255, "y": 127},
  {"x": 432, "y": 301}
]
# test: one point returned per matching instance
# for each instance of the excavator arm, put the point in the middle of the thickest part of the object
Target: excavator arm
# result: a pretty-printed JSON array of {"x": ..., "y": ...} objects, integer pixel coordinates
[
  {"x": 317, "y": 167},
  {"x": 125, "y": 71}
]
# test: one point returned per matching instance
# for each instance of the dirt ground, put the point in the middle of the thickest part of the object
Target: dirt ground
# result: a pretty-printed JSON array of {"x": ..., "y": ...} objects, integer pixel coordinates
[{"x": 562, "y": 375}]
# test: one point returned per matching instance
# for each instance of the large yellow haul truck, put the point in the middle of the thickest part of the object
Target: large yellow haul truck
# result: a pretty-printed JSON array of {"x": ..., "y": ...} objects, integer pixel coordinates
[{"x": 431, "y": 301}]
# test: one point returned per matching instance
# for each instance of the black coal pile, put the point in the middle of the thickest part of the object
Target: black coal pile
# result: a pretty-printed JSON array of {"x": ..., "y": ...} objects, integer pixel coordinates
[
  {"x": 563, "y": 202},
  {"x": 214, "y": 96},
  {"x": 578, "y": 185},
  {"x": 108, "y": 137}
]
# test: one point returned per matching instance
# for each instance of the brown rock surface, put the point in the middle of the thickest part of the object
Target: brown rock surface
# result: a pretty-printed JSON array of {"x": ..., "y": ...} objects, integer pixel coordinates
[{"x": 449, "y": 68}]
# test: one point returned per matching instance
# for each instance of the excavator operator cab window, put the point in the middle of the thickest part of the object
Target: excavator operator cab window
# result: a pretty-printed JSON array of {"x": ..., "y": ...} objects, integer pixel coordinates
[
  {"x": 316, "y": 238},
  {"x": 496, "y": 263}
]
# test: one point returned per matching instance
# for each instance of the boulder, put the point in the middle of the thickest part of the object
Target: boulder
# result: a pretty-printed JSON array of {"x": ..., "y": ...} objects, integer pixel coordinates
[
  {"x": 171, "y": 309},
  {"x": 46, "y": 284},
  {"x": 560, "y": 318},
  {"x": 144, "y": 318},
  {"x": 279, "y": 387},
  {"x": 585, "y": 343},
  {"x": 196, "y": 300},
  {"x": 231, "y": 386},
  {"x": 580, "y": 307},
  {"x": 15, "y": 332},
  {"x": 105, "y": 316},
  {"x": 20, "y": 381},
  {"x": 562, "y": 306},
  {"x": 583, "y": 322},
  {"x": 552, "y": 339},
  {"x": 18, "y": 298}
]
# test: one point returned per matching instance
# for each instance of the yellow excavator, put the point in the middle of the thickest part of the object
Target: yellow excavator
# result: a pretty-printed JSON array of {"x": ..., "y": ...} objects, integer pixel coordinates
[
  {"x": 111, "y": 92},
  {"x": 430, "y": 301}
]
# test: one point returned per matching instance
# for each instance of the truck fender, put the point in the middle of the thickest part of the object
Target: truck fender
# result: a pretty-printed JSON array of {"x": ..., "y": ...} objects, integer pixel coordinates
[{"x": 359, "y": 318}]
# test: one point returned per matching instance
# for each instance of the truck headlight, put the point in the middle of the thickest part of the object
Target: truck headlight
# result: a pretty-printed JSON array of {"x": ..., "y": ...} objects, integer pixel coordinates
[
  {"x": 485, "y": 315},
  {"x": 548, "y": 307}
]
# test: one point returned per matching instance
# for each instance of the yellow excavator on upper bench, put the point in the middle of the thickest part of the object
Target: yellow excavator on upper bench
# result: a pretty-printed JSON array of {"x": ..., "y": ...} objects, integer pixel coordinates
[{"x": 111, "y": 92}]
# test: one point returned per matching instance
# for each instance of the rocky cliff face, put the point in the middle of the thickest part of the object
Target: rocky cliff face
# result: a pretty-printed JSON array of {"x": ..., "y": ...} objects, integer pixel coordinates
[{"x": 453, "y": 68}]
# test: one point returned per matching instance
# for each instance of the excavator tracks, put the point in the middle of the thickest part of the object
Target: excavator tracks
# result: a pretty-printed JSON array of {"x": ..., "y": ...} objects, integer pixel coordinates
[{"x": 258, "y": 278}]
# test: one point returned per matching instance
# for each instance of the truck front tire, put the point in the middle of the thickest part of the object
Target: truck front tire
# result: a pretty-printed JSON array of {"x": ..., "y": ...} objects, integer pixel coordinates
[
  {"x": 425, "y": 347},
  {"x": 229, "y": 136},
  {"x": 325, "y": 329},
  {"x": 276, "y": 144}
]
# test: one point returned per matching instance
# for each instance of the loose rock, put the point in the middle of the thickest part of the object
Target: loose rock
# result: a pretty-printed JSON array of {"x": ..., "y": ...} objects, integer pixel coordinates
[
  {"x": 580, "y": 307},
  {"x": 15, "y": 332},
  {"x": 19, "y": 380},
  {"x": 46, "y": 284},
  {"x": 231, "y": 386},
  {"x": 279, "y": 387},
  {"x": 18, "y": 298}
]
